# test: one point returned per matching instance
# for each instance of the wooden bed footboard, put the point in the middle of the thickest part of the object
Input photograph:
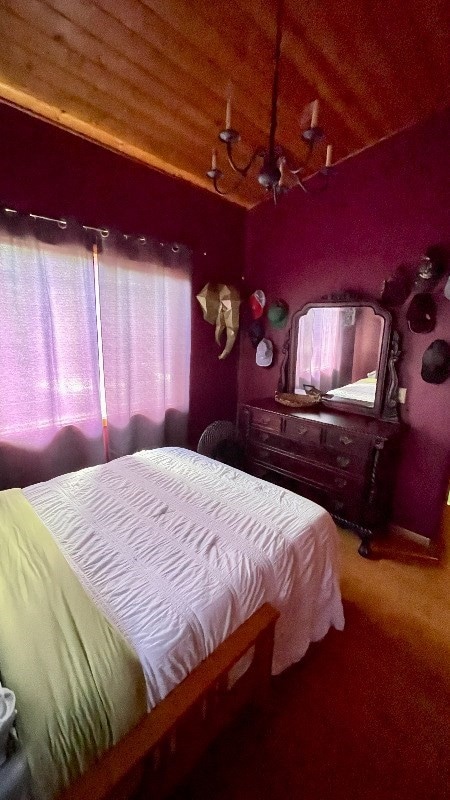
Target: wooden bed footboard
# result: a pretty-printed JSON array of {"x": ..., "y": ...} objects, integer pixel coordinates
[{"x": 160, "y": 751}]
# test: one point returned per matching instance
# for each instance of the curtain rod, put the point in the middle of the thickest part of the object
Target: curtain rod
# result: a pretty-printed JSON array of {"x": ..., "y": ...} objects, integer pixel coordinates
[{"x": 104, "y": 232}]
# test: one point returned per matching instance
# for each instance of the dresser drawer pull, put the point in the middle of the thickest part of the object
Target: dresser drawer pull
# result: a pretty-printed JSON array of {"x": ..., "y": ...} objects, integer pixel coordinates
[
  {"x": 264, "y": 454},
  {"x": 340, "y": 482},
  {"x": 264, "y": 423},
  {"x": 264, "y": 437},
  {"x": 345, "y": 440},
  {"x": 342, "y": 461},
  {"x": 301, "y": 431}
]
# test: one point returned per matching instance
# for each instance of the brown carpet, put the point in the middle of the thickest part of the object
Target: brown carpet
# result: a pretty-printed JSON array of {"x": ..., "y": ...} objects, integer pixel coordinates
[{"x": 366, "y": 714}]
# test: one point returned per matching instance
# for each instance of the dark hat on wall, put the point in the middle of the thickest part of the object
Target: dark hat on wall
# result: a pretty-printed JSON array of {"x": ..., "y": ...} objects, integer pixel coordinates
[
  {"x": 278, "y": 313},
  {"x": 431, "y": 269},
  {"x": 421, "y": 314},
  {"x": 397, "y": 288},
  {"x": 436, "y": 362},
  {"x": 256, "y": 332}
]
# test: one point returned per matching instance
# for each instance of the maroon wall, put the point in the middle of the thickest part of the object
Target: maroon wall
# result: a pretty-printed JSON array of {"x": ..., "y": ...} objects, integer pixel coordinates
[
  {"x": 48, "y": 171},
  {"x": 384, "y": 207}
]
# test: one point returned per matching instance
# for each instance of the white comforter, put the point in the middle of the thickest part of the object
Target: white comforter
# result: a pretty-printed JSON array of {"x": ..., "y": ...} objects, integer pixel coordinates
[
  {"x": 178, "y": 550},
  {"x": 363, "y": 391}
]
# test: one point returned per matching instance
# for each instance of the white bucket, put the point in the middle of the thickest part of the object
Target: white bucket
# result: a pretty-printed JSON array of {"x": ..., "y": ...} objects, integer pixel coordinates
[{"x": 7, "y": 717}]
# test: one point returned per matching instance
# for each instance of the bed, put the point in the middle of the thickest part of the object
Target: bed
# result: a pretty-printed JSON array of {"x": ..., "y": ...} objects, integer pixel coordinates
[
  {"x": 154, "y": 572},
  {"x": 363, "y": 391}
]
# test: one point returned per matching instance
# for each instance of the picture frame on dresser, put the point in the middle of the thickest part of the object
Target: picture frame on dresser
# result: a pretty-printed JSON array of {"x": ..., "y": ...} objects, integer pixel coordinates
[{"x": 342, "y": 451}]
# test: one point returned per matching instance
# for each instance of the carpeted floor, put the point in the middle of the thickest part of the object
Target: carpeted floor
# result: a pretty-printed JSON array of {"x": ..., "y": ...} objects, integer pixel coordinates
[{"x": 365, "y": 715}]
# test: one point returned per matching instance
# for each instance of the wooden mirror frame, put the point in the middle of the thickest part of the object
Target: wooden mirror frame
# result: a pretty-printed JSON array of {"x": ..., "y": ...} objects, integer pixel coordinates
[{"x": 386, "y": 397}]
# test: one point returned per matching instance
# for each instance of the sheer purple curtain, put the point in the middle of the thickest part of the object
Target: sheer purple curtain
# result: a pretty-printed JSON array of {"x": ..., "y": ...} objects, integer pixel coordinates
[
  {"x": 50, "y": 418},
  {"x": 145, "y": 303}
]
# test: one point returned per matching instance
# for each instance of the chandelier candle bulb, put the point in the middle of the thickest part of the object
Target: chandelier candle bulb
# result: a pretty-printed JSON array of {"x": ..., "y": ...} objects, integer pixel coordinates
[
  {"x": 228, "y": 115},
  {"x": 329, "y": 155},
  {"x": 214, "y": 159},
  {"x": 315, "y": 114}
]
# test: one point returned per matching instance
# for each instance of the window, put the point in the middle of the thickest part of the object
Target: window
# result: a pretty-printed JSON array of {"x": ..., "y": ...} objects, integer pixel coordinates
[{"x": 91, "y": 338}]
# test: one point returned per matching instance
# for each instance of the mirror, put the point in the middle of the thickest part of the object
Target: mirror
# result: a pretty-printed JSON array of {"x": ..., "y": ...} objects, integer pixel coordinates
[
  {"x": 338, "y": 351},
  {"x": 342, "y": 349}
]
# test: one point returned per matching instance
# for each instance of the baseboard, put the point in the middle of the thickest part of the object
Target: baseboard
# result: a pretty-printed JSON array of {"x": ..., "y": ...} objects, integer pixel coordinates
[
  {"x": 397, "y": 530},
  {"x": 427, "y": 547}
]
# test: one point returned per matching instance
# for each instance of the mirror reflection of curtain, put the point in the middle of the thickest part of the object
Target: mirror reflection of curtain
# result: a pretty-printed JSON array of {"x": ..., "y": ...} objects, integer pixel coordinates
[
  {"x": 367, "y": 347},
  {"x": 145, "y": 302},
  {"x": 319, "y": 349},
  {"x": 50, "y": 418}
]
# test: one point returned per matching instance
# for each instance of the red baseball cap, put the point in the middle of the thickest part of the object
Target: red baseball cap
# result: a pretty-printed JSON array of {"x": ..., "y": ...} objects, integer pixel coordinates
[{"x": 257, "y": 302}]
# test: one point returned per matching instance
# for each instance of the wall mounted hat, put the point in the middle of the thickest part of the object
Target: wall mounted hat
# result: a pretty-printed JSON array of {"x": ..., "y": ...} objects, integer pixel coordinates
[
  {"x": 421, "y": 314},
  {"x": 397, "y": 288},
  {"x": 256, "y": 332},
  {"x": 447, "y": 288},
  {"x": 264, "y": 353},
  {"x": 278, "y": 313},
  {"x": 257, "y": 302},
  {"x": 431, "y": 269},
  {"x": 436, "y": 362}
]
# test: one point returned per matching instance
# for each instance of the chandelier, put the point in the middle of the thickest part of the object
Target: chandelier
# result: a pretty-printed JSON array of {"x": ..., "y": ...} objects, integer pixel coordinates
[{"x": 276, "y": 175}]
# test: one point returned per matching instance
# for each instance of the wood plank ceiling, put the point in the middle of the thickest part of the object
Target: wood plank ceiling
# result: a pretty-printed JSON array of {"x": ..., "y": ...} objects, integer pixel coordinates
[{"x": 150, "y": 77}]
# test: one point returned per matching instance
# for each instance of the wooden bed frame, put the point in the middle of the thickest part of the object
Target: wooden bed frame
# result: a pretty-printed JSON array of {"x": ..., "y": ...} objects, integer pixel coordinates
[{"x": 160, "y": 751}]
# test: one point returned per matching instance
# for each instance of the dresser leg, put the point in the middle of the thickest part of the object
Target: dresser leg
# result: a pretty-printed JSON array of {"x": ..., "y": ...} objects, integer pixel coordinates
[{"x": 364, "y": 548}]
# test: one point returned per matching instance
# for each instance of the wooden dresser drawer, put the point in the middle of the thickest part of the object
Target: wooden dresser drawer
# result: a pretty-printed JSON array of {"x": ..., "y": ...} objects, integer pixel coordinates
[
  {"x": 297, "y": 430},
  {"x": 306, "y": 470},
  {"x": 347, "y": 442},
  {"x": 302, "y": 446},
  {"x": 351, "y": 462},
  {"x": 267, "y": 437},
  {"x": 266, "y": 420}
]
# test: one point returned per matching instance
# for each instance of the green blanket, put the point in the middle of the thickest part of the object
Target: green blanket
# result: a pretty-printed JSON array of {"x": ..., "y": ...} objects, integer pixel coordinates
[{"x": 79, "y": 686}]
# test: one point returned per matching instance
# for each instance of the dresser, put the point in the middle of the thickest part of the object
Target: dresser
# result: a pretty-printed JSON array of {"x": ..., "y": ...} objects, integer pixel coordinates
[{"x": 343, "y": 461}]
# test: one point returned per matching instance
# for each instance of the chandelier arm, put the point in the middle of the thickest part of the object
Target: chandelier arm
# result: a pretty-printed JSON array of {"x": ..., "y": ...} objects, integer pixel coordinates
[
  {"x": 303, "y": 164},
  {"x": 242, "y": 171},
  {"x": 217, "y": 187},
  {"x": 215, "y": 176},
  {"x": 324, "y": 175},
  {"x": 301, "y": 184}
]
